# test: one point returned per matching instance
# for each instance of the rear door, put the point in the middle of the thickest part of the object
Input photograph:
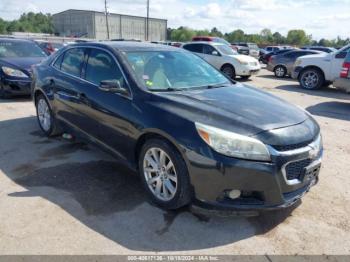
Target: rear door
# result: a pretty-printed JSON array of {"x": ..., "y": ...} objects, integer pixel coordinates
[
  {"x": 69, "y": 90},
  {"x": 337, "y": 62}
]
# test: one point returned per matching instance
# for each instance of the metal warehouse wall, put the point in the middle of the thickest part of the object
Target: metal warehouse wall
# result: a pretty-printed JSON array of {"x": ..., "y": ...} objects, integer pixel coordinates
[{"x": 76, "y": 22}]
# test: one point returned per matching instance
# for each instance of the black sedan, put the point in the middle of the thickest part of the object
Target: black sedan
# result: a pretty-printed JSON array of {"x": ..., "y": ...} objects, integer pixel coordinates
[
  {"x": 16, "y": 58},
  {"x": 191, "y": 133}
]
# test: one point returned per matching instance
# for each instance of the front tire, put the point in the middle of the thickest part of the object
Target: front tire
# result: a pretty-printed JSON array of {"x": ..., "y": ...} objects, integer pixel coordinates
[
  {"x": 45, "y": 116},
  {"x": 229, "y": 71},
  {"x": 311, "y": 79},
  {"x": 164, "y": 174}
]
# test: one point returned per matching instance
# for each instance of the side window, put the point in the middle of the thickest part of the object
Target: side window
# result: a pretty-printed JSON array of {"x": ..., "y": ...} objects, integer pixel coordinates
[
  {"x": 72, "y": 61},
  {"x": 197, "y": 48},
  {"x": 58, "y": 62},
  {"x": 101, "y": 66},
  {"x": 208, "y": 50},
  {"x": 291, "y": 55}
]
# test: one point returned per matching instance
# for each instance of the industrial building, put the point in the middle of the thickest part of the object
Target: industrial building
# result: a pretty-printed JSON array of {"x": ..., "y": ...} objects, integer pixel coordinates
[{"x": 92, "y": 24}]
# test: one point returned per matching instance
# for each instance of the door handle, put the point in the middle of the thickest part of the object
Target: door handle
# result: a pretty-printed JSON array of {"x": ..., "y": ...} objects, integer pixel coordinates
[{"x": 83, "y": 98}]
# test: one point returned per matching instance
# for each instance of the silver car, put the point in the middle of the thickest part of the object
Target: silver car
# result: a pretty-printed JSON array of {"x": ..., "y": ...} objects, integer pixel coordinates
[
  {"x": 224, "y": 58},
  {"x": 343, "y": 82},
  {"x": 282, "y": 64}
]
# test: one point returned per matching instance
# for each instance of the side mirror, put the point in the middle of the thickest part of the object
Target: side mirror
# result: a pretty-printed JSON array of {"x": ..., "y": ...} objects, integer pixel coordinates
[
  {"x": 215, "y": 53},
  {"x": 341, "y": 55},
  {"x": 112, "y": 86}
]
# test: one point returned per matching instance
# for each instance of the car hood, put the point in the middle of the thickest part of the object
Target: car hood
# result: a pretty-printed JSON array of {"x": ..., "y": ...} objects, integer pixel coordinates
[
  {"x": 244, "y": 58},
  {"x": 23, "y": 63},
  {"x": 317, "y": 56},
  {"x": 237, "y": 108}
]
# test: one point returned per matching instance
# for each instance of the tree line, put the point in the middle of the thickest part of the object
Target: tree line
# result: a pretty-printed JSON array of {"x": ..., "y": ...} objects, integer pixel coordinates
[
  {"x": 296, "y": 37},
  {"x": 28, "y": 22}
]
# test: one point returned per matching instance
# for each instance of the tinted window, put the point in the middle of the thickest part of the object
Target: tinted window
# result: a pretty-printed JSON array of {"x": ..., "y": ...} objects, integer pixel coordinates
[
  {"x": 291, "y": 55},
  {"x": 207, "y": 49},
  {"x": 197, "y": 48},
  {"x": 72, "y": 61},
  {"x": 101, "y": 66}
]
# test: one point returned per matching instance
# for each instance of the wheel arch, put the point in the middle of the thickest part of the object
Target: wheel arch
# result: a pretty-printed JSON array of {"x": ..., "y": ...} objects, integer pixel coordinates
[
  {"x": 154, "y": 134},
  {"x": 312, "y": 67}
]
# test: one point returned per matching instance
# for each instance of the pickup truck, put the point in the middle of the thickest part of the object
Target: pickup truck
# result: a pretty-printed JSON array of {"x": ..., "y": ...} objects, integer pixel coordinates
[{"x": 316, "y": 71}]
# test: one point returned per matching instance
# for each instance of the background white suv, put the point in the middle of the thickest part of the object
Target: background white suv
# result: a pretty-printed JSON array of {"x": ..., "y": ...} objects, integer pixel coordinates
[
  {"x": 225, "y": 58},
  {"x": 316, "y": 71}
]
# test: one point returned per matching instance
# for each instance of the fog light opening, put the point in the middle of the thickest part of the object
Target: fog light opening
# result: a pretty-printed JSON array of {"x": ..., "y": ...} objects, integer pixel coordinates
[{"x": 234, "y": 194}]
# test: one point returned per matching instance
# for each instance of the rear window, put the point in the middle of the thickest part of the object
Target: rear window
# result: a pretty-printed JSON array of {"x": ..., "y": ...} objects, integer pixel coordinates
[{"x": 20, "y": 49}]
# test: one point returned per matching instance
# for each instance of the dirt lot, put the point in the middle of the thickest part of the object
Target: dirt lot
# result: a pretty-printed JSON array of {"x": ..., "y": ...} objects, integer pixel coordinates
[{"x": 59, "y": 197}]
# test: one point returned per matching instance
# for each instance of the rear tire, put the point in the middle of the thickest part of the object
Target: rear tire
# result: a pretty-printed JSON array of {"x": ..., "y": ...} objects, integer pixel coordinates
[
  {"x": 280, "y": 71},
  {"x": 164, "y": 174},
  {"x": 311, "y": 79},
  {"x": 45, "y": 116},
  {"x": 229, "y": 71}
]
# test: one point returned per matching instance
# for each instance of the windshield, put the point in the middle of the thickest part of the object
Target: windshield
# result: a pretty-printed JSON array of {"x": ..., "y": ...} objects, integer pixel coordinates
[
  {"x": 167, "y": 70},
  {"x": 253, "y": 46},
  {"x": 220, "y": 40},
  {"x": 226, "y": 50},
  {"x": 20, "y": 49}
]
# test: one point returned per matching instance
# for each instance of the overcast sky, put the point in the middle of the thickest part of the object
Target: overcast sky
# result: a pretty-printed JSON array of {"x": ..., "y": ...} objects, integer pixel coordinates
[{"x": 321, "y": 18}]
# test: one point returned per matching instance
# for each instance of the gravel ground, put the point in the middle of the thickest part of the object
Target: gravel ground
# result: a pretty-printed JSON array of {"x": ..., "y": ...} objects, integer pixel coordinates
[{"x": 60, "y": 197}]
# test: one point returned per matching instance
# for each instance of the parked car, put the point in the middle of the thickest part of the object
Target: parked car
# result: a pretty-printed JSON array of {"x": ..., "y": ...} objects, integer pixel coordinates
[
  {"x": 210, "y": 39},
  {"x": 282, "y": 64},
  {"x": 49, "y": 47},
  {"x": 16, "y": 58},
  {"x": 266, "y": 57},
  {"x": 189, "y": 131},
  {"x": 225, "y": 59},
  {"x": 320, "y": 48},
  {"x": 243, "y": 50},
  {"x": 343, "y": 81},
  {"x": 316, "y": 71},
  {"x": 272, "y": 48},
  {"x": 254, "y": 50}
]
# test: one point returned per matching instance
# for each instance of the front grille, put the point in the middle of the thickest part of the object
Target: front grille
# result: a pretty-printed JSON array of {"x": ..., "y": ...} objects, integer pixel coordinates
[
  {"x": 294, "y": 170},
  {"x": 292, "y": 147}
]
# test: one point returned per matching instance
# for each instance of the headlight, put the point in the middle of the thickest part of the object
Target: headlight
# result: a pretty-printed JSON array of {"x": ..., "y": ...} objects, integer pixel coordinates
[
  {"x": 297, "y": 63},
  {"x": 232, "y": 144},
  {"x": 242, "y": 62},
  {"x": 13, "y": 72}
]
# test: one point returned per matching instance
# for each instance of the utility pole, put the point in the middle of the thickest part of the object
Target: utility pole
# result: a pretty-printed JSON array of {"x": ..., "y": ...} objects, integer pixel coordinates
[
  {"x": 106, "y": 13},
  {"x": 147, "y": 21}
]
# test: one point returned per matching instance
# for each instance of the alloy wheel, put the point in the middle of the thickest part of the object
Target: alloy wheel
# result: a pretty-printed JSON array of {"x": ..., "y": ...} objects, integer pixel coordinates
[
  {"x": 160, "y": 174},
  {"x": 44, "y": 114},
  {"x": 310, "y": 79},
  {"x": 280, "y": 72}
]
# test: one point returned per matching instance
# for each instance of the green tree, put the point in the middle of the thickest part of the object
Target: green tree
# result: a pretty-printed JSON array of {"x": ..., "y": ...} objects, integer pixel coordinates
[
  {"x": 278, "y": 38},
  {"x": 182, "y": 34},
  {"x": 235, "y": 36},
  {"x": 215, "y": 32},
  {"x": 298, "y": 37}
]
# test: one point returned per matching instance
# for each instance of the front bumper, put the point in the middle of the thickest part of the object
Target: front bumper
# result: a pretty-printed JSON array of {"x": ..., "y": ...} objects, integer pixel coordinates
[
  {"x": 263, "y": 185},
  {"x": 296, "y": 71},
  {"x": 248, "y": 70},
  {"x": 16, "y": 86}
]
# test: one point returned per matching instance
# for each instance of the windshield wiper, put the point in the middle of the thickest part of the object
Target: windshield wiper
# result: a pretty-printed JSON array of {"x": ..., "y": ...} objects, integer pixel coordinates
[
  {"x": 166, "y": 89},
  {"x": 217, "y": 85}
]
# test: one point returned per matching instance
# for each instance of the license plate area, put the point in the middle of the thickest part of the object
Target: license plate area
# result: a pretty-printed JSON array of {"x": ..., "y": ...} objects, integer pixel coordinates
[{"x": 311, "y": 172}]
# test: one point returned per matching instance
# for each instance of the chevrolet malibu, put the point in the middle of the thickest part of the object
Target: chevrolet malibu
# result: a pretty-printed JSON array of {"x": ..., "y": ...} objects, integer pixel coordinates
[{"x": 192, "y": 134}]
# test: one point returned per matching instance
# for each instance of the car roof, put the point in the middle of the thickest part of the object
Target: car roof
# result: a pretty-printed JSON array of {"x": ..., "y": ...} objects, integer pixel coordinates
[
  {"x": 15, "y": 40},
  {"x": 129, "y": 46},
  {"x": 204, "y": 42}
]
